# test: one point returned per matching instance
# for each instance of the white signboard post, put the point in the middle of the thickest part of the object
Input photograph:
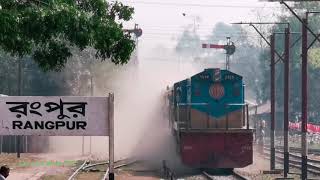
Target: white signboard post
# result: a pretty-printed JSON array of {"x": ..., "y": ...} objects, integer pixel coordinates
[{"x": 59, "y": 116}]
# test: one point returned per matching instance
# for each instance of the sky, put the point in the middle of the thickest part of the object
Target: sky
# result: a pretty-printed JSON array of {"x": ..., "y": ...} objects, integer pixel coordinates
[{"x": 162, "y": 21}]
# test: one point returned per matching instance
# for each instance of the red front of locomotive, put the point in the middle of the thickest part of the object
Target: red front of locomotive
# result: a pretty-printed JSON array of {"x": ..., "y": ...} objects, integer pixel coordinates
[{"x": 216, "y": 149}]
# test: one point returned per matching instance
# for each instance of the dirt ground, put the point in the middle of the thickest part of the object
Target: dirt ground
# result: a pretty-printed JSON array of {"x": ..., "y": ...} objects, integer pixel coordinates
[
  {"x": 57, "y": 167},
  {"x": 128, "y": 176},
  {"x": 25, "y": 168},
  {"x": 260, "y": 164},
  {"x": 35, "y": 166}
]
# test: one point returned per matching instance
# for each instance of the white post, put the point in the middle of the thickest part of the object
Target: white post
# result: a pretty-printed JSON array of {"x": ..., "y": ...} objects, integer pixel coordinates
[
  {"x": 1, "y": 140},
  {"x": 82, "y": 146},
  {"x": 91, "y": 93},
  {"x": 111, "y": 135}
]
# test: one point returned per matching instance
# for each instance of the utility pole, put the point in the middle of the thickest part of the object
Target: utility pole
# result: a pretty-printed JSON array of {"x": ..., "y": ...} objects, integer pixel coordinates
[
  {"x": 304, "y": 104},
  {"x": 286, "y": 60},
  {"x": 304, "y": 90},
  {"x": 286, "y": 94},
  {"x": 304, "y": 85},
  {"x": 272, "y": 97}
]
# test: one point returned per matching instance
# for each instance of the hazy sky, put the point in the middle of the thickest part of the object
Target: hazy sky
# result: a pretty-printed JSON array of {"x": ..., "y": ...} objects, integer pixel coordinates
[{"x": 162, "y": 20}]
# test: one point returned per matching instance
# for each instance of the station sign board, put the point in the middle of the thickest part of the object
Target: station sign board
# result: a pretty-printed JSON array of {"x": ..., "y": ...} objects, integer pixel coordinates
[{"x": 54, "y": 115}]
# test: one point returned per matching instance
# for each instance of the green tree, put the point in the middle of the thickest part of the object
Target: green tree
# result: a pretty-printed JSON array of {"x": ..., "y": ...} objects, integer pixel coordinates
[
  {"x": 48, "y": 29},
  {"x": 34, "y": 80}
]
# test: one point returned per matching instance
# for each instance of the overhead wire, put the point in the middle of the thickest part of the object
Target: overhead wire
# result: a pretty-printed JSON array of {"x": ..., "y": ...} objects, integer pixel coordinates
[
  {"x": 180, "y": 33},
  {"x": 176, "y": 35},
  {"x": 193, "y": 5},
  {"x": 185, "y": 29},
  {"x": 196, "y": 5},
  {"x": 201, "y": 35}
]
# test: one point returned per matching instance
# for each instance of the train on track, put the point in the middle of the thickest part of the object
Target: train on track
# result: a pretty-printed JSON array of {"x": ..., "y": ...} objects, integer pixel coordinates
[{"x": 210, "y": 120}]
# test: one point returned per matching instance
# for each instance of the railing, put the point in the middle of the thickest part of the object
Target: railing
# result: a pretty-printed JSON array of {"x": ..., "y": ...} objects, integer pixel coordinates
[
  {"x": 245, "y": 114},
  {"x": 188, "y": 111},
  {"x": 186, "y": 122}
]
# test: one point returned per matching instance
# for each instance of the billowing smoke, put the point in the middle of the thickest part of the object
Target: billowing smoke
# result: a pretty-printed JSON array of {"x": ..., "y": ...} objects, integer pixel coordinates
[{"x": 141, "y": 127}]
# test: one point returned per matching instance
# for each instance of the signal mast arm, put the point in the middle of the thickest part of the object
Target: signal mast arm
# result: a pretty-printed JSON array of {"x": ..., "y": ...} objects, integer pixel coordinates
[{"x": 230, "y": 49}]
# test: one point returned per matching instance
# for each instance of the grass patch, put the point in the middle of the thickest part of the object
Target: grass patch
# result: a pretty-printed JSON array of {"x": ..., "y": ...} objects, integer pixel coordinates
[
  {"x": 54, "y": 177},
  {"x": 13, "y": 162}
]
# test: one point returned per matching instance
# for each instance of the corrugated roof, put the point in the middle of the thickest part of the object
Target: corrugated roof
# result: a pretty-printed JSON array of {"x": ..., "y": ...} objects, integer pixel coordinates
[{"x": 264, "y": 108}]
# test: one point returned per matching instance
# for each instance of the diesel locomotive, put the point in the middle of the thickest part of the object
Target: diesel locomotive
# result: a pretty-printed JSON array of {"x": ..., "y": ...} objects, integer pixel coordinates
[{"x": 210, "y": 120}]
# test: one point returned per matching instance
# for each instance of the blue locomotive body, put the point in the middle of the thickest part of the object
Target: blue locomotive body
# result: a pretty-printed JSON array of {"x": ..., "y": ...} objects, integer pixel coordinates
[{"x": 207, "y": 114}]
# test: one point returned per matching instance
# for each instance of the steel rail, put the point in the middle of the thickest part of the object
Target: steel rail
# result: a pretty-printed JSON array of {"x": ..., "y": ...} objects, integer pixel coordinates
[
  {"x": 83, "y": 167},
  {"x": 212, "y": 177},
  {"x": 95, "y": 164},
  {"x": 311, "y": 160},
  {"x": 297, "y": 164},
  {"x": 102, "y": 163},
  {"x": 310, "y": 166},
  {"x": 116, "y": 167},
  {"x": 78, "y": 170},
  {"x": 239, "y": 176},
  {"x": 298, "y": 149},
  {"x": 125, "y": 164},
  {"x": 105, "y": 176},
  {"x": 206, "y": 175}
]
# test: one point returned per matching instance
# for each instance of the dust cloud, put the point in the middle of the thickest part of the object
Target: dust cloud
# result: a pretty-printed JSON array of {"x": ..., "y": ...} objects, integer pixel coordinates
[{"x": 141, "y": 127}]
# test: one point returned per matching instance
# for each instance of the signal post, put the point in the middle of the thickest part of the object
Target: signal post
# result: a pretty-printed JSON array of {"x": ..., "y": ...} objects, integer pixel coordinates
[{"x": 229, "y": 47}]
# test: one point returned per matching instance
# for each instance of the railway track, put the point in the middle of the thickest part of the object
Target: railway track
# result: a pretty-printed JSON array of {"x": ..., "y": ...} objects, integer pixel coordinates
[
  {"x": 118, "y": 166},
  {"x": 239, "y": 176},
  {"x": 168, "y": 173},
  {"x": 106, "y": 174},
  {"x": 296, "y": 149},
  {"x": 76, "y": 172},
  {"x": 295, "y": 161},
  {"x": 234, "y": 175},
  {"x": 86, "y": 165},
  {"x": 312, "y": 161}
]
